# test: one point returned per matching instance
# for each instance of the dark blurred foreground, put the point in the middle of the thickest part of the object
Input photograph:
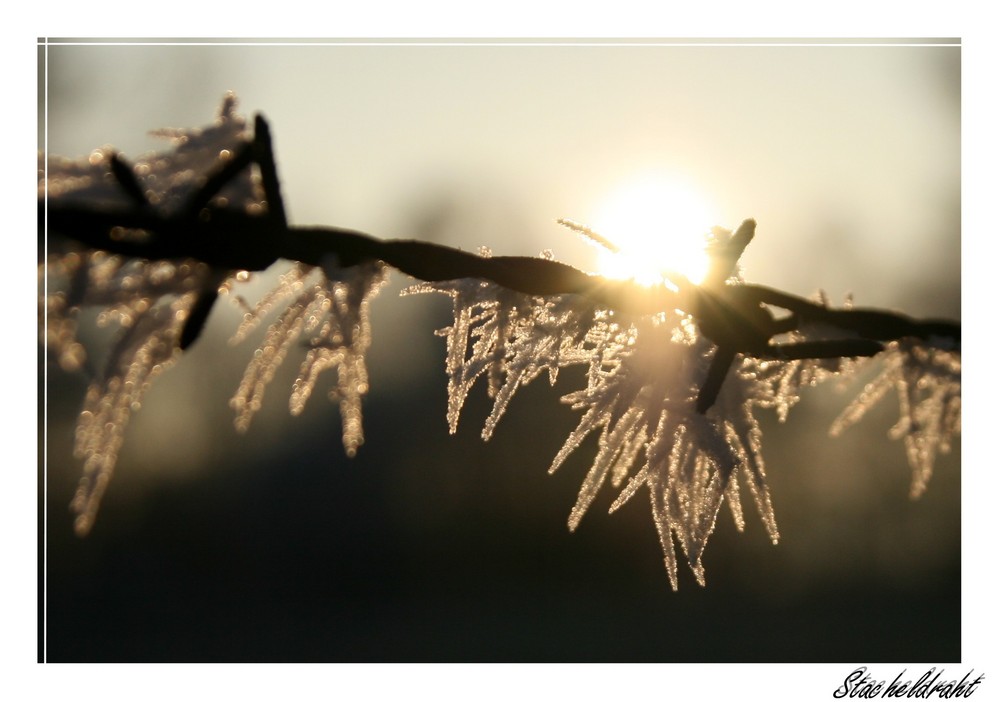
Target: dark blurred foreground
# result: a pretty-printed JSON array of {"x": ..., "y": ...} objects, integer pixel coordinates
[{"x": 428, "y": 547}]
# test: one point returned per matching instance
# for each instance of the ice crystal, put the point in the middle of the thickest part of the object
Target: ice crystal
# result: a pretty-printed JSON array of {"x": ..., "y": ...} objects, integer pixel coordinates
[
  {"x": 124, "y": 287},
  {"x": 644, "y": 374},
  {"x": 781, "y": 380},
  {"x": 928, "y": 382},
  {"x": 147, "y": 347},
  {"x": 152, "y": 300},
  {"x": 149, "y": 301},
  {"x": 485, "y": 319},
  {"x": 644, "y": 403},
  {"x": 643, "y": 377},
  {"x": 330, "y": 308},
  {"x": 509, "y": 337},
  {"x": 167, "y": 178},
  {"x": 549, "y": 338}
]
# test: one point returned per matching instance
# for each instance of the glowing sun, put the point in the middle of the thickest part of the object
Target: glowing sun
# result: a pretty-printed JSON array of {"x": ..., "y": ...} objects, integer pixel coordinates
[{"x": 652, "y": 225}]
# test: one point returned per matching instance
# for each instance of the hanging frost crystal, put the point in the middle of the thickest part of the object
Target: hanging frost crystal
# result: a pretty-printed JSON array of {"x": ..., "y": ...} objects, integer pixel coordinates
[
  {"x": 641, "y": 398},
  {"x": 928, "y": 382},
  {"x": 485, "y": 319},
  {"x": 781, "y": 381},
  {"x": 509, "y": 337},
  {"x": 146, "y": 348},
  {"x": 148, "y": 301},
  {"x": 330, "y": 308},
  {"x": 643, "y": 377}
]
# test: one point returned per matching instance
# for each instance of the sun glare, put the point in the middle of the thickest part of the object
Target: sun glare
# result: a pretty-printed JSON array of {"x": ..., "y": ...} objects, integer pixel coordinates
[{"x": 657, "y": 224}]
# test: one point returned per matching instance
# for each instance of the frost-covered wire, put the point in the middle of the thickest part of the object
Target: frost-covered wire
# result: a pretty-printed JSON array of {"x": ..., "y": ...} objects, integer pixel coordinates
[{"x": 674, "y": 373}]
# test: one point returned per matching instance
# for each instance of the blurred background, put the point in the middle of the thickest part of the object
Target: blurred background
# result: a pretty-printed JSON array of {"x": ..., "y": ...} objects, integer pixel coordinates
[{"x": 215, "y": 546}]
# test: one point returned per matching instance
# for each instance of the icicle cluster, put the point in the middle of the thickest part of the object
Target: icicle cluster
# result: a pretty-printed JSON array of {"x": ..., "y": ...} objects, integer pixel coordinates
[
  {"x": 643, "y": 377},
  {"x": 782, "y": 381},
  {"x": 641, "y": 397},
  {"x": 330, "y": 309},
  {"x": 508, "y": 336},
  {"x": 643, "y": 380},
  {"x": 928, "y": 381},
  {"x": 150, "y": 301}
]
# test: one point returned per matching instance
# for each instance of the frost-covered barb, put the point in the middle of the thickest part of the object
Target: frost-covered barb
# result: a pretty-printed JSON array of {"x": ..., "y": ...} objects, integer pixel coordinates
[
  {"x": 644, "y": 404},
  {"x": 674, "y": 372},
  {"x": 149, "y": 303},
  {"x": 152, "y": 302},
  {"x": 928, "y": 382},
  {"x": 164, "y": 202},
  {"x": 509, "y": 337},
  {"x": 487, "y": 318},
  {"x": 645, "y": 375},
  {"x": 782, "y": 380},
  {"x": 329, "y": 307},
  {"x": 143, "y": 351}
]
